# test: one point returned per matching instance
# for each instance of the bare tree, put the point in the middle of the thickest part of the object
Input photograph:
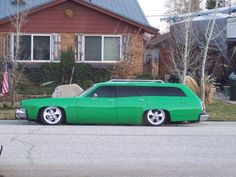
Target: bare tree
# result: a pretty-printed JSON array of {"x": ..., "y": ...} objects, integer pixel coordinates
[
  {"x": 129, "y": 65},
  {"x": 209, "y": 33},
  {"x": 230, "y": 2},
  {"x": 17, "y": 21},
  {"x": 182, "y": 46},
  {"x": 178, "y": 7},
  {"x": 191, "y": 46}
]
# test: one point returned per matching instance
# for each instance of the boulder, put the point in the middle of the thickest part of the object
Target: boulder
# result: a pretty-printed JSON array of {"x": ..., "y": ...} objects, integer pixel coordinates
[{"x": 67, "y": 91}]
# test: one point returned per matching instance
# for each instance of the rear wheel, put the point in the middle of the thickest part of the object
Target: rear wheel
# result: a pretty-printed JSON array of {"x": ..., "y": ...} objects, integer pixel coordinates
[
  {"x": 52, "y": 116},
  {"x": 155, "y": 117}
]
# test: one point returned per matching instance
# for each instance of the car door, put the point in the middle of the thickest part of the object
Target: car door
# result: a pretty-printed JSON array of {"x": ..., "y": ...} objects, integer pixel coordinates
[
  {"x": 98, "y": 107},
  {"x": 129, "y": 105}
]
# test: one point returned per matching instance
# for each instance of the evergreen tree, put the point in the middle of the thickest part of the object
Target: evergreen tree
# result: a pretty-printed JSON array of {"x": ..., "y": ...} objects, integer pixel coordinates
[{"x": 211, "y": 4}]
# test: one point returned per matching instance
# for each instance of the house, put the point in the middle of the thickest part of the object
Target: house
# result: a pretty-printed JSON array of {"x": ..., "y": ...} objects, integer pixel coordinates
[
  {"x": 156, "y": 53},
  {"x": 99, "y": 31},
  {"x": 221, "y": 54}
]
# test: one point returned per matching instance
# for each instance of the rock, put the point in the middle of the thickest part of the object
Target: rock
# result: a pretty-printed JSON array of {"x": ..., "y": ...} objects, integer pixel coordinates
[{"x": 67, "y": 91}]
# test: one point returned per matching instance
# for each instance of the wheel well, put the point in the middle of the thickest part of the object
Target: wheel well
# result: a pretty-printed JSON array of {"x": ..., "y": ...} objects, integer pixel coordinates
[{"x": 42, "y": 108}]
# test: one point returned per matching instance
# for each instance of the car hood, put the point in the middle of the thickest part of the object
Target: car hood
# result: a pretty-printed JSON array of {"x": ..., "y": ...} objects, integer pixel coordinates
[{"x": 47, "y": 101}]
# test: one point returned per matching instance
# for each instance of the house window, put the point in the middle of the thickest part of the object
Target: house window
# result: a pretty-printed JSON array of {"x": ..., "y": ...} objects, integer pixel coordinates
[
  {"x": 93, "y": 48},
  {"x": 41, "y": 48},
  {"x": 111, "y": 48},
  {"x": 24, "y": 48},
  {"x": 34, "y": 48},
  {"x": 102, "y": 48}
]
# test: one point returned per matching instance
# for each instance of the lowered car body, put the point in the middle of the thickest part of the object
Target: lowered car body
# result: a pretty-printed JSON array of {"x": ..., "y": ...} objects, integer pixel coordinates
[{"x": 135, "y": 103}]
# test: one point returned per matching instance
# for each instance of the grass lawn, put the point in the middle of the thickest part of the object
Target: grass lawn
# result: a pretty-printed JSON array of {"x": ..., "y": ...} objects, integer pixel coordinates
[{"x": 221, "y": 111}]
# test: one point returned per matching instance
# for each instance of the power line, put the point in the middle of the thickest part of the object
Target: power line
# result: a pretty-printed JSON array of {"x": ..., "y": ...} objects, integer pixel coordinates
[{"x": 156, "y": 15}]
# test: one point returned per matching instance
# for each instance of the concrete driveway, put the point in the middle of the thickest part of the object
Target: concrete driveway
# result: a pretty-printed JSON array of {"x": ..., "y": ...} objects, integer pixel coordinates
[{"x": 193, "y": 150}]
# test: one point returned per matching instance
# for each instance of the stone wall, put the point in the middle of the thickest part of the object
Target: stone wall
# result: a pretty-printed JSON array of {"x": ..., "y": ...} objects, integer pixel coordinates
[
  {"x": 133, "y": 64},
  {"x": 136, "y": 49},
  {"x": 67, "y": 40}
]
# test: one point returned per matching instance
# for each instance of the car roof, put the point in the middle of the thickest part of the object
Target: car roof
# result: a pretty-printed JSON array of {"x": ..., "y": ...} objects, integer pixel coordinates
[{"x": 139, "y": 83}]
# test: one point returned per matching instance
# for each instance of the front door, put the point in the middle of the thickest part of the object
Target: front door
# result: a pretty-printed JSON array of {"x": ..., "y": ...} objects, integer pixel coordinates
[{"x": 98, "y": 107}]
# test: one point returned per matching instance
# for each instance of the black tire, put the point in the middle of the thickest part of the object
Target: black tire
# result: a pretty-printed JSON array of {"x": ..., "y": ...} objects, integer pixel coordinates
[
  {"x": 52, "y": 115},
  {"x": 155, "y": 117}
]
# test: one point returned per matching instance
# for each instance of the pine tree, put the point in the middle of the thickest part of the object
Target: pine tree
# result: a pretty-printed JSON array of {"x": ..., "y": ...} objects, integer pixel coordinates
[{"x": 211, "y": 4}]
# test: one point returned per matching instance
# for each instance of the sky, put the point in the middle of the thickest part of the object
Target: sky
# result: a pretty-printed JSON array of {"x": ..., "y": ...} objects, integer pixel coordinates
[{"x": 154, "y": 10}]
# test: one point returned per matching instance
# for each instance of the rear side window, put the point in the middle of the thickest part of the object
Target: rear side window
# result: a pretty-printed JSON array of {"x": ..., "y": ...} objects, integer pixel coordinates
[
  {"x": 127, "y": 91},
  {"x": 161, "y": 91},
  {"x": 104, "y": 91}
]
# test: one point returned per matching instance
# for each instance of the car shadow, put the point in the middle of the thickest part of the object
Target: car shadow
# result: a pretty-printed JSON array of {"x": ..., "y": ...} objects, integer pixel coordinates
[{"x": 26, "y": 122}]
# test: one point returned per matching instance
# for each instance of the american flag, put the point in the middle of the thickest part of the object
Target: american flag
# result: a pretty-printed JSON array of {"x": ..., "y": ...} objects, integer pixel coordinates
[{"x": 5, "y": 84}]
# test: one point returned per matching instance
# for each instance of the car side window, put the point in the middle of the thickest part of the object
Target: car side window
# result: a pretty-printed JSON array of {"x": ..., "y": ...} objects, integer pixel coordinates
[
  {"x": 127, "y": 91},
  {"x": 161, "y": 91},
  {"x": 103, "y": 92}
]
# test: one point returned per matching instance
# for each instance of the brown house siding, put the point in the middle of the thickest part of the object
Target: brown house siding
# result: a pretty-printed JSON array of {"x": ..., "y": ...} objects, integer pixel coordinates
[
  {"x": 1, "y": 45},
  {"x": 163, "y": 63},
  {"x": 82, "y": 20}
]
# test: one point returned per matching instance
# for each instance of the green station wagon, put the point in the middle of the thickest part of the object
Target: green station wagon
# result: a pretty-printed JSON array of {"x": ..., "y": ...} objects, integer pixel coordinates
[{"x": 127, "y": 102}]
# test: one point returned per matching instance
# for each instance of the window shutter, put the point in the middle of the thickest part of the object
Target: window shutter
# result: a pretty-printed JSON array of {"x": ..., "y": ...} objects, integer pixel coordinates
[
  {"x": 56, "y": 47},
  {"x": 79, "y": 47},
  {"x": 8, "y": 47},
  {"x": 125, "y": 47}
]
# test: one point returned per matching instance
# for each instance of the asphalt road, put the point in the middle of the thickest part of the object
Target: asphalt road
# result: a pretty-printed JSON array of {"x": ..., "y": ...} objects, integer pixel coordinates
[{"x": 207, "y": 149}]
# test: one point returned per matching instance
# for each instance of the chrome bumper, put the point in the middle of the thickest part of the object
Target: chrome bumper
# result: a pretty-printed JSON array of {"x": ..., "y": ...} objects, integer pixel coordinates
[
  {"x": 21, "y": 114},
  {"x": 204, "y": 117}
]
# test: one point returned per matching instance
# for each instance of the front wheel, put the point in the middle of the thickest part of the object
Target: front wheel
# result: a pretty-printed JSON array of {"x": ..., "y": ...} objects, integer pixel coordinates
[
  {"x": 52, "y": 116},
  {"x": 155, "y": 117}
]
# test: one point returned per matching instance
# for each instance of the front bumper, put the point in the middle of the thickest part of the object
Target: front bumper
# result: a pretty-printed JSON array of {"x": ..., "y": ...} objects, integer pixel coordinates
[
  {"x": 203, "y": 117},
  {"x": 21, "y": 114}
]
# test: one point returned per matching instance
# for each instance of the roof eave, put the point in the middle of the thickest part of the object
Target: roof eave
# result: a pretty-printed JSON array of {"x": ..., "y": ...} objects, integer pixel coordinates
[{"x": 146, "y": 28}]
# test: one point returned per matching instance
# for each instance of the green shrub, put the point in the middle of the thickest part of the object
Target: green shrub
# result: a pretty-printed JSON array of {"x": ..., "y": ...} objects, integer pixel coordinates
[
  {"x": 87, "y": 84},
  {"x": 61, "y": 73},
  {"x": 145, "y": 76},
  {"x": 84, "y": 75},
  {"x": 44, "y": 73},
  {"x": 67, "y": 63}
]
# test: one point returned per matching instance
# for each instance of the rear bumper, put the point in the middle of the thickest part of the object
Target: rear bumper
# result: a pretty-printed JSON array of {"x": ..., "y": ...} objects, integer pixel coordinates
[
  {"x": 21, "y": 114},
  {"x": 203, "y": 117}
]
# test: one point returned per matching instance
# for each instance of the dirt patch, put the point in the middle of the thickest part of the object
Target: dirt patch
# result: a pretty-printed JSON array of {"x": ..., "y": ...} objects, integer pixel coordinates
[{"x": 7, "y": 114}]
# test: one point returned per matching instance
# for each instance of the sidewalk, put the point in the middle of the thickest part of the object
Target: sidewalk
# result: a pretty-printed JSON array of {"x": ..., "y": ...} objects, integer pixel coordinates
[{"x": 220, "y": 96}]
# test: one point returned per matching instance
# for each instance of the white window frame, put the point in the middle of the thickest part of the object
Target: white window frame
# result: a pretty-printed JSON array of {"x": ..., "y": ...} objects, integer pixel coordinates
[
  {"x": 32, "y": 48},
  {"x": 102, "y": 50}
]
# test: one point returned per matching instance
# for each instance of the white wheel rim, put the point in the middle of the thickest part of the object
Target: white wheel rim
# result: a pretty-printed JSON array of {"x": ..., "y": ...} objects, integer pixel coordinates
[
  {"x": 52, "y": 115},
  {"x": 156, "y": 117}
]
